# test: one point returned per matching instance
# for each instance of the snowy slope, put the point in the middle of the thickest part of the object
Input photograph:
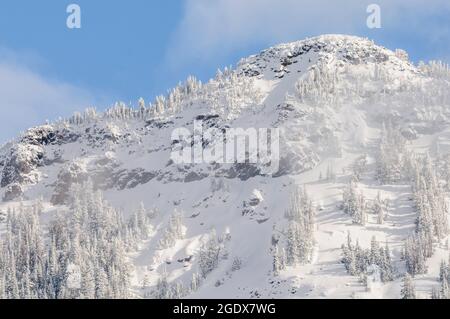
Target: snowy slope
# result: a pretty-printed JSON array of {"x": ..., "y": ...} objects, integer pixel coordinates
[{"x": 328, "y": 95}]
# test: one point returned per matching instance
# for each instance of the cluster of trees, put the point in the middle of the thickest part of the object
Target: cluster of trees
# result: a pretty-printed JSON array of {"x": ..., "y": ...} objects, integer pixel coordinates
[
  {"x": 227, "y": 94},
  {"x": 299, "y": 234},
  {"x": 319, "y": 86},
  {"x": 380, "y": 208},
  {"x": 82, "y": 255},
  {"x": 211, "y": 252},
  {"x": 173, "y": 232},
  {"x": 408, "y": 289},
  {"x": 415, "y": 253},
  {"x": 279, "y": 259},
  {"x": 443, "y": 292},
  {"x": 359, "y": 261},
  {"x": 140, "y": 224},
  {"x": 443, "y": 170},
  {"x": 430, "y": 202},
  {"x": 359, "y": 167},
  {"x": 437, "y": 69},
  {"x": 333, "y": 87},
  {"x": 166, "y": 290},
  {"x": 163, "y": 105},
  {"x": 432, "y": 223},
  {"x": 355, "y": 204},
  {"x": 394, "y": 164},
  {"x": 389, "y": 161}
]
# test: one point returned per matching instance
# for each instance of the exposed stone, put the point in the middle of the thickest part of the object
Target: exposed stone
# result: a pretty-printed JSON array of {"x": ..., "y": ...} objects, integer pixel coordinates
[
  {"x": 22, "y": 161},
  {"x": 73, "y": 173}
]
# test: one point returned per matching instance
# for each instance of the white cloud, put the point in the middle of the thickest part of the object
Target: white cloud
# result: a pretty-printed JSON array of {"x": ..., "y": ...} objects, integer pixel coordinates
[
  {"x": 28, "y": 99},
  {"x": 210, "y": 29}
]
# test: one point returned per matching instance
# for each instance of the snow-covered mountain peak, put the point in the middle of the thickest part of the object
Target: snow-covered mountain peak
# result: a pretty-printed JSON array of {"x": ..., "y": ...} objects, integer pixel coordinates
[
  {"x": 355, "y": 120},
  {"x": 277, "y": 60}
]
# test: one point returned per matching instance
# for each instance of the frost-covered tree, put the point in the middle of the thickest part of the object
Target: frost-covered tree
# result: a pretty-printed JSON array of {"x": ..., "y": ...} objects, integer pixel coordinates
[
  {"x": 142, "y": 108},
  {"x": 82, "y": 254},
  {"x": 139, "y": 224},
  {"x": 389, "y": 161},
  {"x": 416, "y": 250},
  {"x": 380, "y": 208},
  {"x": 359, "y": 261},
  {"x": 359, "y": 167},
  {"x": 408, "y": 289},
  {"x": 444, "y": 272},
  {"x": 443, "y": 292},
  {"x": 173, "y": 232},
  {"x": 209, "y": 254},
  {"x": 431, "y": 204},
  {"x": 196, "y": 281},
  {"x": 300, "y": 233},
  {"x": 163, "y": 289},
  {"x": 432, "y": 208},
  {"x": 355, "y": 204}
]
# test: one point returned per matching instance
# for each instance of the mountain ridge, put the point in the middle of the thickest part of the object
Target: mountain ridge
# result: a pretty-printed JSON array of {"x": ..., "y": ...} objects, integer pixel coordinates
[{"x": 354, "y": 119}]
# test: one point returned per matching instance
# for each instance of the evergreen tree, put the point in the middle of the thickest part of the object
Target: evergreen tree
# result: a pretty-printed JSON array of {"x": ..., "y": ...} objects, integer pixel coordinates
[
  {"x": 278, "y": 261},
  {"x": 300, "y": 232},
  {"x": 209, "y": 255},
  {"x": 444, "y": 291},
  {"x": 359, "y": 261},
  {"x": 408, "y": 289},
  {"x": 380, "y": 209},
  {"x": 195, "y": 282}
]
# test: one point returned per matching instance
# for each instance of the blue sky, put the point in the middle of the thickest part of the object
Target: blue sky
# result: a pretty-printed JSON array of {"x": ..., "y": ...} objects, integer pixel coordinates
[{"x": 134, "y": 48}]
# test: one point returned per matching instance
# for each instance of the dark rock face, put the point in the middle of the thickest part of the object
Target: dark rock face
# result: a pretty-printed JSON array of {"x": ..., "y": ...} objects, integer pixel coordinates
[
  {"x": 125, "y": 179},
  {"x": 71, "y": 174},
  {"x": 292, "y": 163},
  {"x": 243, "y": 171},
  {"x": 47, "y": 135},
  {"x": 103, "y": 176},
  {"x": 158, "y": 123},
  {"x": 44, "y": 135},
  {"x": 193, "y": 176},
  {"x": 28, "y": 154},
  {"x": 23, "y": 160}
]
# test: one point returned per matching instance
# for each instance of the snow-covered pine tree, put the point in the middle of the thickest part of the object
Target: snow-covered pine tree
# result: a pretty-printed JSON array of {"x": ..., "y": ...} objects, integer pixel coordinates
[
  {"x": 354, "y": 204},
  {"x": 380, "y": 208},
  {"x": 389, "y": 160},
  {"x": 91, "y": 238},
  {"x": 195, "y": 281},
  {"x": 173, "y": 232},
  {"x": 142, "y": 108},
  {"x": 209, "y": 254},
  {"x": 430, "y": 203},
  {"x": 163, "y": 289},
  {"x": 444, "y": 290},
  {"x": 414, "y": 255},
  {"x": 300, "y": 233},
  {"x": 359, "y": 167},
  {"x": 360, "y": 215},
  {"x": 408, "y": 288},
  {"x": 358, "y": 261}
]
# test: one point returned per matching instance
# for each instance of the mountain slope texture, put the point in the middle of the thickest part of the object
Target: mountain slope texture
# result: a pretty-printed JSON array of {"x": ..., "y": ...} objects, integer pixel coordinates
[{"x": 94, "y": 206}]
